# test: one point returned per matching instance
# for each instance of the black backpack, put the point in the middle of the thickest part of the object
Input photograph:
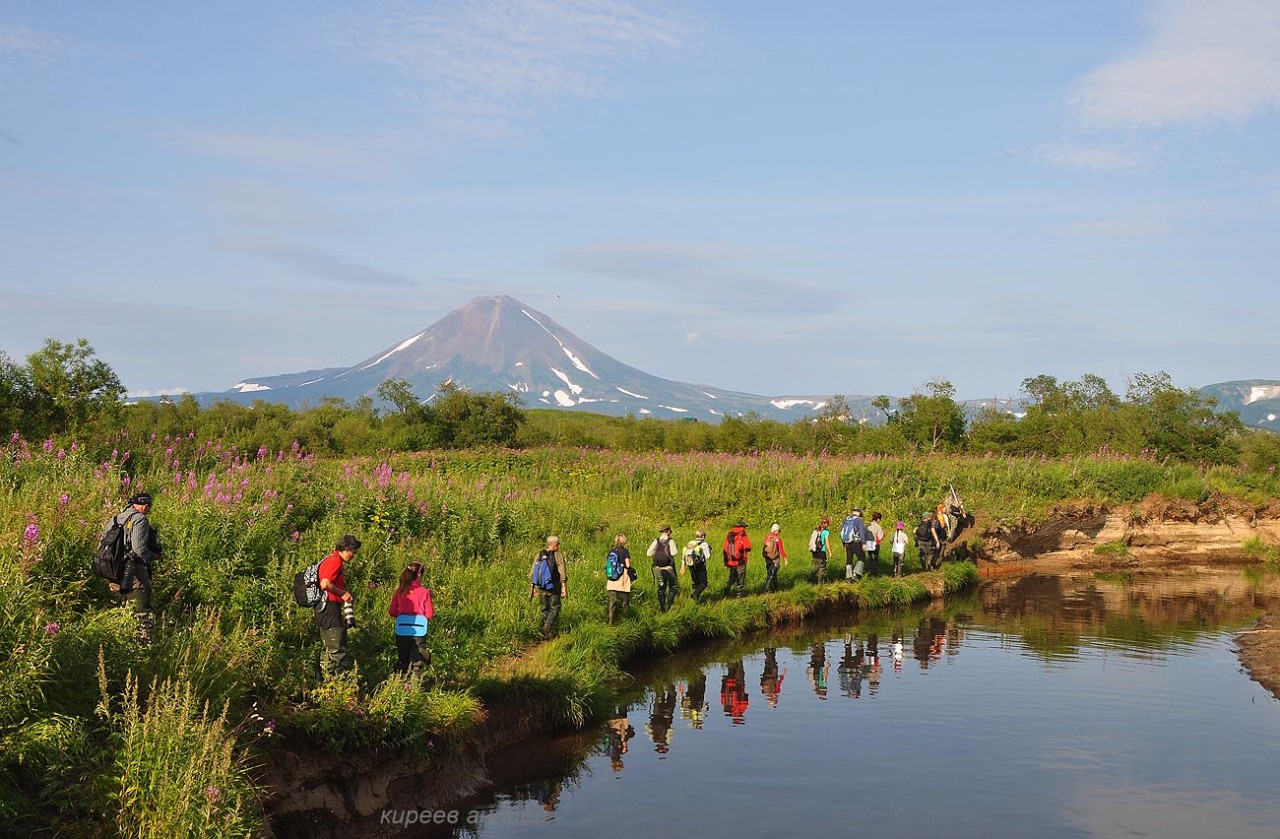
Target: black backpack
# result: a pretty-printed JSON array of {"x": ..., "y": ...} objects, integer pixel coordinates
[
  {"x": 109, "y": 558},
  {"x": 924, "y": 533},
  {"x": 306, "y": 587}
]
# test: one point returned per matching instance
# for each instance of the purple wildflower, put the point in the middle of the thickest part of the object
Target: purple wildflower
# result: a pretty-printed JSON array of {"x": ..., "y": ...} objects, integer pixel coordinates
[
  {"x": 212, "y": 794},
  {"x": 52, "y": 628},
  {"x": 63, "y": 499},
  {"x": 32, "y": 533}
]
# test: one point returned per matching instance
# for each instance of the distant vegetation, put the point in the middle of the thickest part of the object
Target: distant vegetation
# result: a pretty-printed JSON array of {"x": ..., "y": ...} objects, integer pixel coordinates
[{"x": 63, "y": 389}]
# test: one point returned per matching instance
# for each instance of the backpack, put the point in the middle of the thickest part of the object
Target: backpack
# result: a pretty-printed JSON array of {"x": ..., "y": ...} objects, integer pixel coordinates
[
  {"x": 849, "y": 529},
  {"x": 733, "y": 551},
  {"x": 109, "y": 558},
  {"x": 306, "y": 587},
  {"x": 770, "y": 548},
  {"x": 924, "y": 532},
  {"x": 545, "y": 574},
  {"x": 815, "y": 541},
  {"x": 613, "y": 566}
]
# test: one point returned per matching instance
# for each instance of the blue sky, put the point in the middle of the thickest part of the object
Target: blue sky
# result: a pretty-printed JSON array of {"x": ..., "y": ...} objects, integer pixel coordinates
[{"x": 802, "y": 198}]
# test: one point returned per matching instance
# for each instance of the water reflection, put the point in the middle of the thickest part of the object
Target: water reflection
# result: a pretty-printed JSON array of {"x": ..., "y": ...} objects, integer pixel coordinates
[{"x": 1017, "y": 689}]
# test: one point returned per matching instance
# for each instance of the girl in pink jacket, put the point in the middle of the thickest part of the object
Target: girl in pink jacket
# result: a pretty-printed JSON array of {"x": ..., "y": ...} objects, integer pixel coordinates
[{"x": 412, "y": 609}]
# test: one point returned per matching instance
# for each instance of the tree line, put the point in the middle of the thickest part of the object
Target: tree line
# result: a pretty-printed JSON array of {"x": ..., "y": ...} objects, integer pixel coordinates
[{"x": 63, "y": 389}]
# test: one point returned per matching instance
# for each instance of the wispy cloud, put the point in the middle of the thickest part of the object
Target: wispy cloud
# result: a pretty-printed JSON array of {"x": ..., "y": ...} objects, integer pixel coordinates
[
  {"x": 313, "y": 262},
  {"x": 485, "y": 62},
  {"x": 1115, "y": 228},
  {"x": 1201, "y": 60},
  {"x": 714, "y": 270},
  {"x": 1088, "y": 157},
  {"x": 23, "y": 44},
  {"x": 262, "y": 147}
]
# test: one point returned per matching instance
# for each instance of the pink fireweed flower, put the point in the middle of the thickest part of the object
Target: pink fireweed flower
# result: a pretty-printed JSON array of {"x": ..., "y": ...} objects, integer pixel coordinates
[
  {"x": 62, "y": 454},
  {"x": 212, "y": 794},
  {"x": 48, "y": 445},
  {"x": 63, "y": 499},
  {"x": 31, "y": 534},
  {"x": 295, "y": 536},
  {"x": 52, "y": 628}
]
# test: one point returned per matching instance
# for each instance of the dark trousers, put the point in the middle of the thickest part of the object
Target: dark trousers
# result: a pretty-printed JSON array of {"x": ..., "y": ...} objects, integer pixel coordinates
[
  {"x": 412, "y": 654},
  {"x": 668, "y": 586},
  {"x": 738, "y": 578},
  {"x": 819, "y": 574},
  {"x": 135, "y": 590},
  {"x": 698, "y": 571},
  {"x": 333, "y": 634},
  {"x": 928, "y": 555},
  {"x": 549, "y": 612},
  {"x": 619, "y": 602},
  {"x": 853, "y": 554},
  {"x": 771, "y": 574},
  {"x": 897, "y": 565},
  {"x": 873, "y": 560}
]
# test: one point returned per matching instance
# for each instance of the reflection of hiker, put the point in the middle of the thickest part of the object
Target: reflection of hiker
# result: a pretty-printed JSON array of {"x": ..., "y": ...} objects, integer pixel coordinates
[
  {"x": 735, "y": 549},
  {"x": 412, "y": 608},
  {"x": 875, "y": 535},
  {"x": 853, "y": 533},
  {"x": 693, "y": 700},
  {"x": 850, "y": 669},
  {"x": 819, "y": 547},
  {"x": 733, "y": 693},
  {"x": 661, "y": 718},
  {"x": 872, "y": 663},
  {"x": 663, "y": 552},
  {"x": 695, "y": 556},
  {"x": 619, "y": 590},
  {"x": 928, "y": 542},
  {"x": 141, "y": 550},
  {"x": 771, "y": 679},
  {"x": 549, "y": 796},
  {"x": 819, "y": 668},
  {"x": 620, "y": 731},
  {"x": 549, "y": 581},
  {"x": 899, "y": 546},
  {"x": 774, "y": 555}
]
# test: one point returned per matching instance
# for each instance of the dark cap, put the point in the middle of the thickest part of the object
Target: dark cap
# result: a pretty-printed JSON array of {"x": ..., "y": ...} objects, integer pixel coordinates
[
  {"x": 142, "y": 499},
  {"x": 857, "y": 511},
  {"x": 741, "y": 523},
  {"x": 666, "y": 528}
]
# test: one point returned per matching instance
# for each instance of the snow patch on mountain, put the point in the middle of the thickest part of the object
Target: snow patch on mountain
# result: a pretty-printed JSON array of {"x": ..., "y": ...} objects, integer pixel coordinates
[
  {"x": 250, "y": 387},
  {"x": 629, "y": 393},
  {"x": 577, "y": 362},
  {"x": 784, "y": 404},
  {"x": 708, "y": 395},
  {"x": 569, "y": 384},
  {"x": 1259, "y": 392},
  {"x": 564, "y": 399},
  {"x": 403, "y": 345},
  {"x": 677, "y": 410}
]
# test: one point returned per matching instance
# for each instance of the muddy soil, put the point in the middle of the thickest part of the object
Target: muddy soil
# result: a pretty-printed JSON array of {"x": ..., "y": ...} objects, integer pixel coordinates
[{"x": 1259, "y": 650}]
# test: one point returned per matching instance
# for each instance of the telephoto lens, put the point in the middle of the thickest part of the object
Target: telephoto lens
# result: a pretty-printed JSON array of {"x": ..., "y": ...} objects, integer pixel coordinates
[{"x": 349, "y": 615}]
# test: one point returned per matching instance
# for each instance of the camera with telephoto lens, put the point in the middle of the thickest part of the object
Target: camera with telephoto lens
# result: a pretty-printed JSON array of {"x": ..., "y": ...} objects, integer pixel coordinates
[{"x": 348, "y": 616}]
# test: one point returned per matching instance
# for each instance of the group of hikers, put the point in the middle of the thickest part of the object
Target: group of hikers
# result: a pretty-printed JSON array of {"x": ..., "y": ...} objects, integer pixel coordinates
[{"x": 137, "y": 547}]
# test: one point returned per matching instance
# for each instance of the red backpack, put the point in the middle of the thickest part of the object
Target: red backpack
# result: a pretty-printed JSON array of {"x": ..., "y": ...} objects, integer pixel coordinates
[{"x": 734, "y": 548}]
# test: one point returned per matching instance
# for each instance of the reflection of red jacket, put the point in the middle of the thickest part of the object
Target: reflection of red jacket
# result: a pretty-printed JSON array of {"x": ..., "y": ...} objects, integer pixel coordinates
[
  {"x": 736, "y": 546},
  {"x": 734, "y": 699}
]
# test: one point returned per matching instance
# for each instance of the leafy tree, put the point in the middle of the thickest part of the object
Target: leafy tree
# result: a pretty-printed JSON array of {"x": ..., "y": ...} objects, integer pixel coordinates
[
  {"x": 400, "y": 393},
  {"x": 15, "y": 395},
  {"x": 932, "y": 419},
  {"x": 882, "y": 402},
  {"x": 70, "y": 387}
]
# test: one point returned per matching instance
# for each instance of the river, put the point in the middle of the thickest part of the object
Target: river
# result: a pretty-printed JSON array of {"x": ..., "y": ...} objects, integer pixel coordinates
[{"x": 1071, "y": 706}]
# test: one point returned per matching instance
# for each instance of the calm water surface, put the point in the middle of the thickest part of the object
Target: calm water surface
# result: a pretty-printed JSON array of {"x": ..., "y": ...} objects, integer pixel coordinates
[{"x": 1046, "y": 707}]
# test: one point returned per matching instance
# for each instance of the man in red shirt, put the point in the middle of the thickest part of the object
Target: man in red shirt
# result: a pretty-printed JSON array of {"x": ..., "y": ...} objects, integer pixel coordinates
[{"x": 333, "y": 629}]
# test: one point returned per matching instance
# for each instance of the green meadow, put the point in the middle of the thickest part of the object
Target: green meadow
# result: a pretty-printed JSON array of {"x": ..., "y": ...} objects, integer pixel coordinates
[{"x": 161, "y": 740}]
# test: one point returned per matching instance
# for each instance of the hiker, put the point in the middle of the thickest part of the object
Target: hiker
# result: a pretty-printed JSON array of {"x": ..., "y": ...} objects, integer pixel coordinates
[
  {"x": 928, "y": 542},
  {"x": 619, "y": 590},
  {"x": 548, "y": 580},
  {"x": 875, "y": 535},
  {"x": 696, "y": 554},
  {"x": 335, "y": 615},
  {"x": 736, "y": 547},
  {"x": 775, "y": 553},
  {"x": 853, "y": 533},
  {"x": 899, "y": 547},
  {"x": 141, "y": 550},
  {"x": 819, "y": 547},
  {"x": 663, "y": 551},
  {"x": 412, "y": 608}
]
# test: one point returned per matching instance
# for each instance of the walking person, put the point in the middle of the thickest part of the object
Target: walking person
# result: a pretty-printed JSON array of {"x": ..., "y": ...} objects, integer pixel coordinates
[
  {"x": 875, "y": 535},
  {"x": 141, "y": 550},
  {"x": 696, "y": 554},
  {"x": 412, "y": 608},
  {"x": 335, "y": 615},
  {"x": 819, "y": 547},
  {"x": 899, "y": 547},
  {"x": 662, "y": 551},
  {"x": 618, "y": 587},
  {"x": 853, "y": 533},
  {"x": 736, "y": 547},
  {"x": 548, "y": 580},
  {"x": 774, "y": 553},
  {"x": 927, "y": 542}
]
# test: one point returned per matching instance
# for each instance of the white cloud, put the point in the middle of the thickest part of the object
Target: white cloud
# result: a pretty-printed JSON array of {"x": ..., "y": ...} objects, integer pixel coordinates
[
  {"x": 1201, "y": 61},
  {"x": 262, "y": 147},
  {"x": 1087, "y": 157},
  {"x": 483, "y": 62},
  {"x": 26, "y": 44},
  {"x": 314, "y": 262},
  {"x": 1115, "y": 228}
]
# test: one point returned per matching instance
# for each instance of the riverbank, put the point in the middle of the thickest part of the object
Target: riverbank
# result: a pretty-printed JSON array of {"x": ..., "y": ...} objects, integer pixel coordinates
[{"x": 563, "y": 684}]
